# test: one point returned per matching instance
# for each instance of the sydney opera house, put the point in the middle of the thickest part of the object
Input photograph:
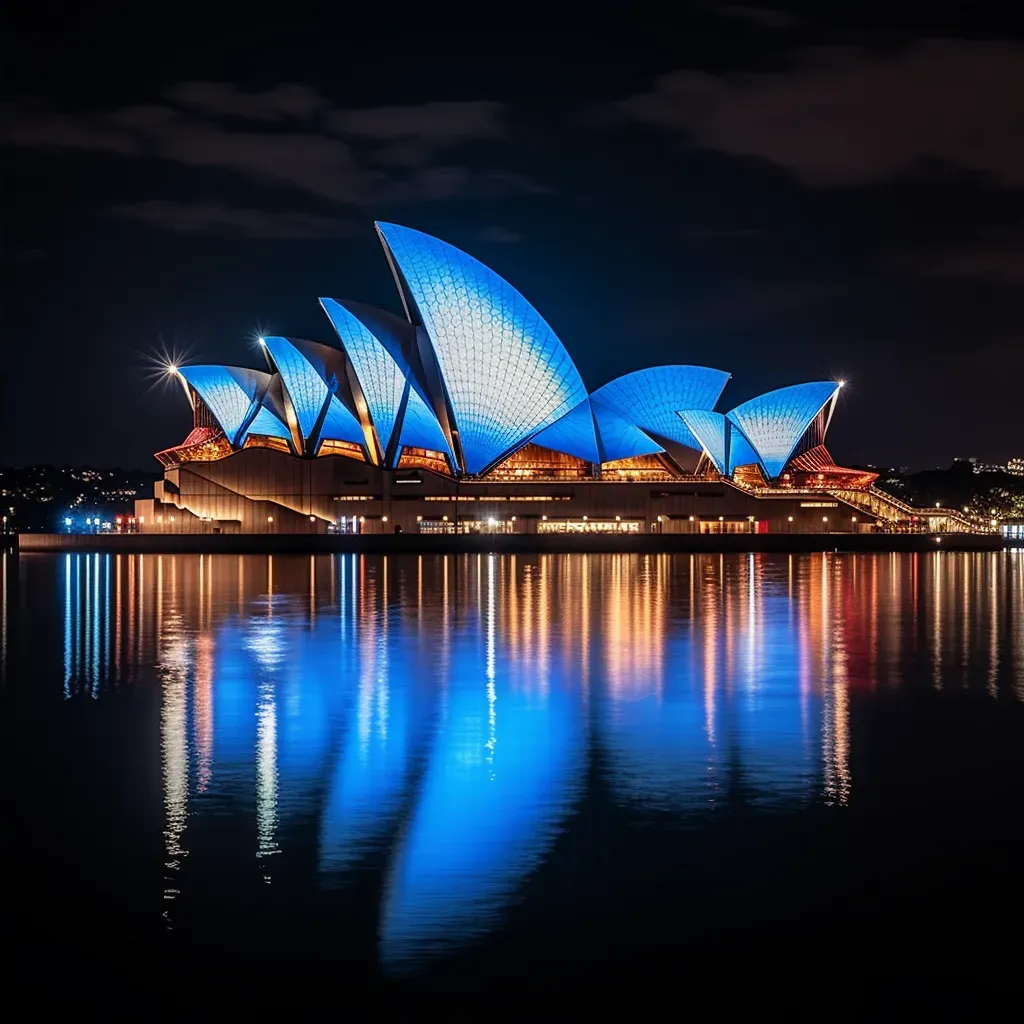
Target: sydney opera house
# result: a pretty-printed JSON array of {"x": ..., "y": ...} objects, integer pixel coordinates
[{"x": 467, "y": 414}]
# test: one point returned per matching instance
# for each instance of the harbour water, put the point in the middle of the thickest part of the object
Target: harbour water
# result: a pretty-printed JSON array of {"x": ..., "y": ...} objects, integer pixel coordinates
[{"x": 436, "y": 770}]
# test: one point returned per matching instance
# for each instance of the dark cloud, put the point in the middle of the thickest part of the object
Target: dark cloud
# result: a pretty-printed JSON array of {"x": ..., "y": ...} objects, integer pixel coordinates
[
  {"x": 995, "y": 263},
  {"x": 193, "y": 217},
  {"x": 439, "y": 124},
  {"x": 291, "y": 100},
  {"x": 345, "y": 157},
  {"x": 844, "y": 116},
  {"x": 769, "y": 17},
  {"x": 496, "y": 233}
]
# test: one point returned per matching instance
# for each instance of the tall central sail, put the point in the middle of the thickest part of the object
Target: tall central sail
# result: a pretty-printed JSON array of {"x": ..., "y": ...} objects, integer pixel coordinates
[{"x": 505, "y": 373}]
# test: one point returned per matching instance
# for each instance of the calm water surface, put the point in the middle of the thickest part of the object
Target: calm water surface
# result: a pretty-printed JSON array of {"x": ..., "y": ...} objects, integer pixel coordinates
[{"x": 447, "y": 768}]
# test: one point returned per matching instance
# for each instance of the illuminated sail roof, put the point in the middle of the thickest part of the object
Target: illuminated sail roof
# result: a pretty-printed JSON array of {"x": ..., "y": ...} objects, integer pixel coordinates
[
  {"x": 380, "y": 377},
  {"x": 721, "y": 439},
  {"x": 340, "y": 425},
  {"x": 265, "y": 422},
  {"x": 710, "y": 430},
  {"x": 229, "y": 392},
  {"x": 651, "y": 399},
  {"x": 574, "y": 434},
  {"x": 474, "y": 372},
  {"x": 618, "y": 437},
  {"x": 306, "y": 388},
  {"x": 741, "y": 451},
  {"x": 775, "y": 422},
  {"x": 384, "y": 376},
  {"x": 506, "y": 374}
]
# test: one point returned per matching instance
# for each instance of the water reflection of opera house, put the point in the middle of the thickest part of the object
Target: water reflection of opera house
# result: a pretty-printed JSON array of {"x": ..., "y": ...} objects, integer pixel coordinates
[
  {"x": 469, "y": 414},
  {"x": 440, "y": 707},
  {"x": 442, "y": 714}
]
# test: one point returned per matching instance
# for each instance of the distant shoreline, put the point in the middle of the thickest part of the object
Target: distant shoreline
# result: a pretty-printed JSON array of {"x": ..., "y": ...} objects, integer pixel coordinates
[{"x": 418, "y": 544}]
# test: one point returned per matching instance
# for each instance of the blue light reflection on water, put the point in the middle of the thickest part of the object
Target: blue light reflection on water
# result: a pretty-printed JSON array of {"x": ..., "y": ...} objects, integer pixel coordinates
[{"x": 443, "y": 717}]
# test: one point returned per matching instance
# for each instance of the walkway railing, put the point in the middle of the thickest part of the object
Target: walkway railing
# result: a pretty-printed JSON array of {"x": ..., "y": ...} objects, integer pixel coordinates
[{"x": 879, "y": 503}]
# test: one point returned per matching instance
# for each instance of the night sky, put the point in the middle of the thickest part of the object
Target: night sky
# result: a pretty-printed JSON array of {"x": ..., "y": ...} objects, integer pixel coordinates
[{"x": 782, "y": 194}]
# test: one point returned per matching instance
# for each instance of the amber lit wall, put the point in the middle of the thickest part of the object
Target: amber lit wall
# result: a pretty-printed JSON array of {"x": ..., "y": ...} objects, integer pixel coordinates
[{"x": 259, "y": 490}]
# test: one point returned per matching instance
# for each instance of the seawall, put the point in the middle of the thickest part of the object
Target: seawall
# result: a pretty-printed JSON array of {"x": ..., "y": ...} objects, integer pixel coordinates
[{"x": 394, "y": 544}]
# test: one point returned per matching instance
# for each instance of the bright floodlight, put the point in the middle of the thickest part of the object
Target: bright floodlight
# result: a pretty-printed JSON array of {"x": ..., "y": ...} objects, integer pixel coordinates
[
  {"x": 841, "y": 383},
  {"x": 261, "y": 340}
]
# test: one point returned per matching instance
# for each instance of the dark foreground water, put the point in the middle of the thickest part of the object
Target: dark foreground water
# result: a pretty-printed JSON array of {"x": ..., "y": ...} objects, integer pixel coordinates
[{"x": 524, "y": 771}]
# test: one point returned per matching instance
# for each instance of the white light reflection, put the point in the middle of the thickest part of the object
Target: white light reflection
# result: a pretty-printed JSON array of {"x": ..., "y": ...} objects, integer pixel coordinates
[
  {"x": 266, "y": 776},
  {"x": 173, "y": 666},
  {"x": 492, "y": 698},
  {"x": 68, "y": 627}
]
